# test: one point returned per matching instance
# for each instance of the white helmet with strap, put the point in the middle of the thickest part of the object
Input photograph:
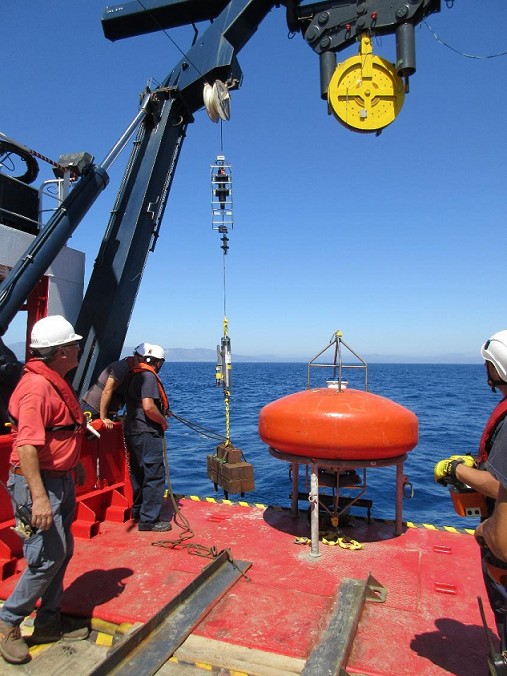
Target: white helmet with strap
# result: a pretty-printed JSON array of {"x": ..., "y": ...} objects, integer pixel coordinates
[
  {"x": 494, "y": 350},
  {"x": 142, "y": 349},
  {"x": 52, "y": 331},
  {"x": 155, "y": 351}
]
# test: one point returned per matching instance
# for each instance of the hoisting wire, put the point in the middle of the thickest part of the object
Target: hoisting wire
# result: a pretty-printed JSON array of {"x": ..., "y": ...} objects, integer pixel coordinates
[{"x": 227, "y": 394}]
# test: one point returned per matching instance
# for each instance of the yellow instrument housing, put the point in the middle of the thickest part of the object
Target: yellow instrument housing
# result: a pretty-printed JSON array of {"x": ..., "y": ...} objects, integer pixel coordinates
[{"x": 365, "y": 92}]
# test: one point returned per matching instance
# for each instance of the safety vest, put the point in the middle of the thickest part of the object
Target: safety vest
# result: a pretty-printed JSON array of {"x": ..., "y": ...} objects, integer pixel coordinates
[
  {"x": 140, "y": 368},
  {"x": 64, "y": 391},
  {"x": 498, "y": 414}
]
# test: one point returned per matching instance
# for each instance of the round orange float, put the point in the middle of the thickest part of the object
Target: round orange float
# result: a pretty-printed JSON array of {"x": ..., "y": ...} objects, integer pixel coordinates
[{"x": 328, "y": 424}]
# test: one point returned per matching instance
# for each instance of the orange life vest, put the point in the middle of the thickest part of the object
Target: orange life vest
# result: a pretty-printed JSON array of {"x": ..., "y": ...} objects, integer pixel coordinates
[
  {"x": 163, "y": 396},
  {"x": 499, "y": 413}
]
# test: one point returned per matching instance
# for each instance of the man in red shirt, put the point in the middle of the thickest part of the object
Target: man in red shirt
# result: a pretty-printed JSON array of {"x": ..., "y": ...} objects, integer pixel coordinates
[{"x": 48, "y": 425}]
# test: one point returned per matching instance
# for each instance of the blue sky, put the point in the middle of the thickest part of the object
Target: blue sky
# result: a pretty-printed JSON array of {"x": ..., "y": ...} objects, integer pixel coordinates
[{"x": 397, "y": 240}]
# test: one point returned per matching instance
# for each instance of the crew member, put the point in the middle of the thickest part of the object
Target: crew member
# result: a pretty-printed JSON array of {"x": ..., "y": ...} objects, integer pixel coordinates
[
  {"x": 145, "y": 424},
  {"x": 490, "y": 479},
  {"x": 107, "y": 396},
  {"x": 47, "y": 425}
]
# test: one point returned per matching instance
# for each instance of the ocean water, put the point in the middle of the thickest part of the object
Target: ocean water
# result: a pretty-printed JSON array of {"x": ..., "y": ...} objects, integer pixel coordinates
[{"x": 452, "y": 403}]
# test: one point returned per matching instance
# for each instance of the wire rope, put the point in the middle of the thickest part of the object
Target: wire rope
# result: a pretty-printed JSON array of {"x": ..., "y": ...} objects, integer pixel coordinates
[{"x": 456, "y": 51}]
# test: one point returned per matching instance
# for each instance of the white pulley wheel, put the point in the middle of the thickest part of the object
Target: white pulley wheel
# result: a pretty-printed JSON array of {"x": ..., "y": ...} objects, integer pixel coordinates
[{"x": 217, "y": 101}]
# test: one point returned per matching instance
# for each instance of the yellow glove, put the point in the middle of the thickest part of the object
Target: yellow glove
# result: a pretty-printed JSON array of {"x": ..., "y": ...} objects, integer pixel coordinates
[{"x": 445, "y": 470}]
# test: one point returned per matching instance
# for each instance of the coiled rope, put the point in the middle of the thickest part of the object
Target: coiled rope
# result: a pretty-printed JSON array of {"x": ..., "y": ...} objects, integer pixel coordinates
[{"x": 187, "y": 533}]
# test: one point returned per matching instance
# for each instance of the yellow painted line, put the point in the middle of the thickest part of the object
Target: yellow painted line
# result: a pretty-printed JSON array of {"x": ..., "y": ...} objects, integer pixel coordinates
[
  {"x": 429, "y": 526},
  {"x": 203, "y": 665},
  {"x": 104, "y": 639},
  {"x": 260, "y": 506},
  {"x": 173, "y": 659},
  {"x": 210, "y": 500},
  {"x": 238, "y": 673},
  {"x": 411, "y": 525},
  {"x": 244, "y": 504},
  {"x": 227, "y": 502},
  {"x": 195, "y": 498},
  {"x": 451, "y": 529},
  {"x": 38, "y": 649}
]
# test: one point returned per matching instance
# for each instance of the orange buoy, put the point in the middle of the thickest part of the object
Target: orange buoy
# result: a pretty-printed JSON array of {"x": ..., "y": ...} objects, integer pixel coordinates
[{"x": 325, "y": 423}]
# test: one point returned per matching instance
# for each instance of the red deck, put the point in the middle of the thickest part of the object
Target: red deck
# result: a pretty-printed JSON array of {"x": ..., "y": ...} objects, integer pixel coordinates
[{"x": 428, "y": 625}]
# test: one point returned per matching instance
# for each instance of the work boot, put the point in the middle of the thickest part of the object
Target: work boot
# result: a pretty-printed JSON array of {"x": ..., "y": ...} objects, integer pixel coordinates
[
  {"x": 13, "y": 646},
  {"x": 56, "y": 630},
  {"x": 158, "y": 527}
]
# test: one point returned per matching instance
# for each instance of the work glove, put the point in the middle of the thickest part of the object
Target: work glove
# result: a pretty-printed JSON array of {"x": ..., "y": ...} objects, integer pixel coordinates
[{"x": 445, "y": 470}]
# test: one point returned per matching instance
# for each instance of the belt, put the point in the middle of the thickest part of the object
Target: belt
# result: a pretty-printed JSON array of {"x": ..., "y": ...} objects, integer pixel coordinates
[{"x": 50, "y": 473}]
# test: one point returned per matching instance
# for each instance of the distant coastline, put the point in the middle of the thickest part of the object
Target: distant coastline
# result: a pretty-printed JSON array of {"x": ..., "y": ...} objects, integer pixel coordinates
[{"x": 202, "y": 354}]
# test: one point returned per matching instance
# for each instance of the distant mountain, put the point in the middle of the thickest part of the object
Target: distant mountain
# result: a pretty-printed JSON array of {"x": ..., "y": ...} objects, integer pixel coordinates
[{"x": 203, "y": 354}]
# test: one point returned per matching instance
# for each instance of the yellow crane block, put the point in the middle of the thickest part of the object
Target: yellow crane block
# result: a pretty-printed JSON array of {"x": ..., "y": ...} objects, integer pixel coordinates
[{"x": 365, "y": 92}]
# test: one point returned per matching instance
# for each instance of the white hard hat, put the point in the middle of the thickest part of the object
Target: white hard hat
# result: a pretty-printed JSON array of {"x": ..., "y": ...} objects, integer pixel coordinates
[
  {"x": 495, "y": 351},
  {"x": 155, "y": 351},
  {"x": 51, "y": 332},
  {"x": 142, "y": 349}
]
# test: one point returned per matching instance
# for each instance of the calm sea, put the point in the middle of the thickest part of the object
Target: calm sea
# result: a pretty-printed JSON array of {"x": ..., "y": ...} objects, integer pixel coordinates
[{"x": 452, "y": 403}]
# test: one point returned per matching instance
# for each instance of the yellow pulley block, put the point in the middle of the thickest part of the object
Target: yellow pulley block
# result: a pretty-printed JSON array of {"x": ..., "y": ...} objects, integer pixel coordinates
[{"x": 365, "y": 92}]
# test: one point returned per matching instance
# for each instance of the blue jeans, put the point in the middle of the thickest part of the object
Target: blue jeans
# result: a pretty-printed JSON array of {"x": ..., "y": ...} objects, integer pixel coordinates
[
  {"x": 47, "y": 554},
  {"x": 147, "y": 475}
]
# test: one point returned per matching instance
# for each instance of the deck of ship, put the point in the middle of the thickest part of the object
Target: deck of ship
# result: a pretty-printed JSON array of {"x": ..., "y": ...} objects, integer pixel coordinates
[{"x": 428, "y": 625}]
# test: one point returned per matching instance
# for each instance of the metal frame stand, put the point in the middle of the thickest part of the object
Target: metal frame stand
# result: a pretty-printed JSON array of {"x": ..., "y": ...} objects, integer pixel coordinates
[{"x": 338, "y": 466}]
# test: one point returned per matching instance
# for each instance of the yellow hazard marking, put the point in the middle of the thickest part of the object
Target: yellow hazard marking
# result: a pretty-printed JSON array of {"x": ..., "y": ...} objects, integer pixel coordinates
[
  {"x": 238, "y": 673},
  {"x": 203, "y": 665},
  {"x": 278, "y": 508},
  {"x": 104, "y": 639},
  {"x": 173, "y": 659},
  {"x": 38, "y": 649}
]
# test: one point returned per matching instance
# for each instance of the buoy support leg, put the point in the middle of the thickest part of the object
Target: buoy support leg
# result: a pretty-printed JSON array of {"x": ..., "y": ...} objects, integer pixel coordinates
[
  {"x": 399, "y": 499},
  {"x": 295, "y": 489},
  {"x": 314, "y": 509}
]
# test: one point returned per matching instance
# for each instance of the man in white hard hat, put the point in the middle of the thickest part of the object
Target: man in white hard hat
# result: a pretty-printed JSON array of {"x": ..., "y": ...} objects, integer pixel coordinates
[
  {"x": 145, "y": 424},
  {"x": 107, "y": 396},
  {"x": 488, "y": 476},
  {"x": 47, "y": 425}
]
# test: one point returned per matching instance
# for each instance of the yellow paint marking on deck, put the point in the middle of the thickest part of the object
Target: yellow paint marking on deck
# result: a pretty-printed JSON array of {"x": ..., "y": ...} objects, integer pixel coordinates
[
  {"x": 173, "y": 659},
  {"x": 429, "y": 526},
  {"x": 227, "y": 502},
  {"x": 210, "y": 500},
  {"x": 260, "y": 506},
  {"x": 195, "y": 498},
  {"x": 410, "y": 524},
  {"x": 203, "y": 665},
  {"x": 238, "y": 673},
  {"x": 104, "y": 639},
  {"x": 451, "y": 529},
  {"x": 38, "y": 649},
  {"x": 243, "y": 504},
  {"x": 470, "y": 531}
]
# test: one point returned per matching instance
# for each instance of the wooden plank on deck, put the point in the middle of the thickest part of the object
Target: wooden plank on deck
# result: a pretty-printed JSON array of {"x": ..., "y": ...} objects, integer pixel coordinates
[{"x": 237, "y": 658}]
